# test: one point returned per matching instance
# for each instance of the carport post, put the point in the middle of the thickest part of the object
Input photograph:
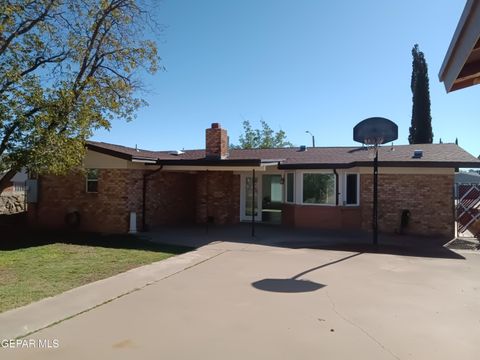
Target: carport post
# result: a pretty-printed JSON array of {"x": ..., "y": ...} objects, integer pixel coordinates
[
  {"x": 206, "y": 201},
  {"x": 253, "y": 202}
]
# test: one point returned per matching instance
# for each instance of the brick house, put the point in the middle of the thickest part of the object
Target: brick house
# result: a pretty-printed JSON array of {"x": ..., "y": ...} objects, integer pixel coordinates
[{"x": 321, "y": 187}]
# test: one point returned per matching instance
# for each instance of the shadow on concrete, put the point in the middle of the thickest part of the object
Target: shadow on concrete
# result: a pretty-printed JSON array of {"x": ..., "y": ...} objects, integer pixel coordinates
[
  {"x": 274, "y": 235},
  {"x": 287, "y": 285},
  {"x": 15, "y": 237},
  {"x": 295, "y": 284}
]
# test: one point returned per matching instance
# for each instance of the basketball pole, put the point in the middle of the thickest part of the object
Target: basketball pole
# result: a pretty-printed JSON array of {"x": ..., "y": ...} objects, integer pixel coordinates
[
  {"x": 253, "y": 202},
  {"x": 375, "y": 197},
  {"x": 375, "y": 131}
]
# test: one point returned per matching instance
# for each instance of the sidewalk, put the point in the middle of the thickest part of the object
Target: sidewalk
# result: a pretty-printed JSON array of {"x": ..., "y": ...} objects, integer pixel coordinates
[{"x": 33, "y": 317}]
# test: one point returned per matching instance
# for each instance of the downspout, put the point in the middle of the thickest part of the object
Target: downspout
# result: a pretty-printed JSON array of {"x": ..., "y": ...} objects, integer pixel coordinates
[
  {"x": 207, "y": 219},
  {"x": 144, "y": 195},
  {"x": 336, "y": 187}
]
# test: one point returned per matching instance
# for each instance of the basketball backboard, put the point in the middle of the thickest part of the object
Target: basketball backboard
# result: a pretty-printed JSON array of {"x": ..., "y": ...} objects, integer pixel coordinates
[{"x": 375, "y": 131}]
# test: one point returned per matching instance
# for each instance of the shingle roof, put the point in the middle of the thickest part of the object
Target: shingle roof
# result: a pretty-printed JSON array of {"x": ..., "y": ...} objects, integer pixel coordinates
[
  {"x": 467, "y": 178},
  {"x": 434, "y": 155}
]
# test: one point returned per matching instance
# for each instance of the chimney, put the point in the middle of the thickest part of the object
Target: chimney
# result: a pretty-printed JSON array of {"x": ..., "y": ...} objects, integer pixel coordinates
[{"x": 216, "y": 146}]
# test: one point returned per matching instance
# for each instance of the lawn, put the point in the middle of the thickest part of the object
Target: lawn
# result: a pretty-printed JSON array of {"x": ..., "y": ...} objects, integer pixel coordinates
[{"x": 55, "y": 263}]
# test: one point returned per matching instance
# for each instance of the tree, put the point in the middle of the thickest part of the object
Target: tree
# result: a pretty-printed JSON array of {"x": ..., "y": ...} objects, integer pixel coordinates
[
  {"x": 421, "y": 128},
  {"x": 68, "y": 67},
  {"x": 263, "y": 138}
]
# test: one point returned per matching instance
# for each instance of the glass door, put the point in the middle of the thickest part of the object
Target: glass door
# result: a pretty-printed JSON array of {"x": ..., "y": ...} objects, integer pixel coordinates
[
  {"x": 249, "y": 192},
  {"x": 272, "y": 198}
]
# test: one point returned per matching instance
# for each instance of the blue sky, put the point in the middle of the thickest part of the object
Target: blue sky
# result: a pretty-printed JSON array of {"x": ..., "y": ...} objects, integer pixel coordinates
[{"x": 321, "y": 66}]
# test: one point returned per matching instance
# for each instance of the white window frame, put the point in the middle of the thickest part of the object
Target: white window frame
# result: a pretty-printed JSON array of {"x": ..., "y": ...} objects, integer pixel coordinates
[
  {"x": 344, "y": 197},
  {"x": 286, "y": 188},
  {"x": 324, "y": 172},
  {"x": 87, "y": 181}
]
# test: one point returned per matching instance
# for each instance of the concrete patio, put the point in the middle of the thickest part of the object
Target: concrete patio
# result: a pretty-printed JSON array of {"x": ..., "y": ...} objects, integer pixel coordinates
[{"x": 286, "y": 295}]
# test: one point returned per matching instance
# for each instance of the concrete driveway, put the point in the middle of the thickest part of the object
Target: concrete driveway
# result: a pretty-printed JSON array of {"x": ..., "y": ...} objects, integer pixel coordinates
[{"x": 264, "y": 301}]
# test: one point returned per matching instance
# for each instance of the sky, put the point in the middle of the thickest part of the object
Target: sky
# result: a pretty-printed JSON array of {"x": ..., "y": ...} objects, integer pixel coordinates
[{"x": 321, "y": 66}]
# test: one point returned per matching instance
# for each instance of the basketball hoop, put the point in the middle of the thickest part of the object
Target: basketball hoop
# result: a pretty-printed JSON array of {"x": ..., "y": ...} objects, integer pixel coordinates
[
  {"x": 373, "y": 132},
  {"x": 372, "y": 144}
]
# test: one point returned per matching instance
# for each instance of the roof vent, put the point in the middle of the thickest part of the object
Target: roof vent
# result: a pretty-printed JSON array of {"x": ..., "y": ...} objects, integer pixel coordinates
[
  {"x": 417, "y": 154},
  {"x": 303, "y": 148},
  {"x": 177, "y": 152}
]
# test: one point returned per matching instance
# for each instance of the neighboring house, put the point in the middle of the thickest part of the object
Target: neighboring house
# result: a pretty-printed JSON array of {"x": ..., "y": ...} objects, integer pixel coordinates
[
  {"x": 461, "y": 66},
  {"x": 322, "y": 187},
  {"x": 18, "y": 183},
  {"x": 467, "y": 178}
]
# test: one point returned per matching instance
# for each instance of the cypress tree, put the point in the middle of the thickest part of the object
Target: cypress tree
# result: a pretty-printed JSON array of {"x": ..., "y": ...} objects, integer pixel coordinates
[{"x": 421, "y": 128}]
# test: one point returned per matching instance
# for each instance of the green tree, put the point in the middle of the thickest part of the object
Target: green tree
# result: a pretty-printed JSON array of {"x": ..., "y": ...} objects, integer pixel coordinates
[
  {"x": 263, "y": 138},
  {"x": 421, "y": 128},
  {"x": 68, "y": 67}
]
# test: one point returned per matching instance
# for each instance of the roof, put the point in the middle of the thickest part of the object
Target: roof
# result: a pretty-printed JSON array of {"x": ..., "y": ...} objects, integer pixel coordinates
[
  {"x": 467, "y": 178},
  {"x": 434, "y": 155},
  {"x": 461, "y": 66}
]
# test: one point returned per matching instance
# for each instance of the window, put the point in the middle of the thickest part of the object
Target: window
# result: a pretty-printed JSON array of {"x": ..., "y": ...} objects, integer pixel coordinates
[
  {"x": 319, "y": 189},
  {"x": 290, "y": 187},
  {"x": 92, "y": 180},
  {"x": 351, "y": 189}
]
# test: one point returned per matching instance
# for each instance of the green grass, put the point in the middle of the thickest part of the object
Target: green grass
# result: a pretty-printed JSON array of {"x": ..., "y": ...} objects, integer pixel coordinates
[{"x": 31, "y": 272}]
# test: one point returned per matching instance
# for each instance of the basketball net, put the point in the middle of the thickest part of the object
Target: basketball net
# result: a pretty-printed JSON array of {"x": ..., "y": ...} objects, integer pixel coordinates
[{"x": 372, "y": 145}]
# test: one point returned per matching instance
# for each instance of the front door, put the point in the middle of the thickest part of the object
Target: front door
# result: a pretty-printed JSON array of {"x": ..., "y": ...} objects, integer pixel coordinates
[{"x": 250, "y": 202}]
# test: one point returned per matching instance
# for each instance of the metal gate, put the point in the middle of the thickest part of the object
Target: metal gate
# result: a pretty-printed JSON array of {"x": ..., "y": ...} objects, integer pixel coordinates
[{"x": 467, "y": 210}]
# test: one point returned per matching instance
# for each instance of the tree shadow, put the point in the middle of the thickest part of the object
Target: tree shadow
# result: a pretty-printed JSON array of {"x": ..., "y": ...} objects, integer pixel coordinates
[{"x": 14, "y": 238}]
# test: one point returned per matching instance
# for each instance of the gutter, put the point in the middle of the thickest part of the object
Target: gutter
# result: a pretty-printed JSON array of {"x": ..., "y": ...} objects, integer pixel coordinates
[
  {"x": 209, "y": 162},
  {"x": 412, "y": 164},
  {"x": 144, "y": 195}
]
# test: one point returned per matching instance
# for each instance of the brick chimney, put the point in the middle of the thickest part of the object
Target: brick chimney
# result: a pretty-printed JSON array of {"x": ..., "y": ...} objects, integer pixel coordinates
[{"x": 216, "y": 144}]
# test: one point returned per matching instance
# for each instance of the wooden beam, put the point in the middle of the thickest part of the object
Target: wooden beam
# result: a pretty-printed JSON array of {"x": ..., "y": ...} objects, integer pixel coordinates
[
  {"x": 477, "y": 45},
  {"x": 469, "y": 70},
  {"x": 463, "y": 83}
]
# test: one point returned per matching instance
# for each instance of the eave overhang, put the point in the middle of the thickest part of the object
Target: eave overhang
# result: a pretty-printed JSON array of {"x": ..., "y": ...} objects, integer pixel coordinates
[
  {"x": 461, "y": 66},
  {"x": 405, "y": 164}
]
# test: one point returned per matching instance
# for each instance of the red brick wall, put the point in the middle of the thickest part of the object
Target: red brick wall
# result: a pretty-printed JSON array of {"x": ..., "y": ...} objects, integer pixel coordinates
[
  {"x": 119, "y": 193},
  {"x": 216, "y": 142},
  {"x": 322, "y": 217},
  {"x": 218, "y": 196},
  {"x": 428, "y": 197},
  {"x": 170, "y": 198}
]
